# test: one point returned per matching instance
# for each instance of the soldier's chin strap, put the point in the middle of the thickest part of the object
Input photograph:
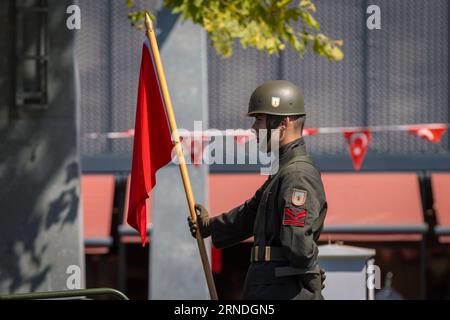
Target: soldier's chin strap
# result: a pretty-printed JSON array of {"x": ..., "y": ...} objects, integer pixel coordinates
[{"x": 272, "y": 123}]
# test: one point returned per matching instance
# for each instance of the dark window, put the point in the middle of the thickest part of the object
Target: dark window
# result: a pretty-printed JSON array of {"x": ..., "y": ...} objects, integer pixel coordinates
[{"x": 32, "y": 56}]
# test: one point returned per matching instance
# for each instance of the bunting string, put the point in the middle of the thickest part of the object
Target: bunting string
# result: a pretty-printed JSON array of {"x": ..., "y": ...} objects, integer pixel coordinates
[{"x": 357, "y": 138}]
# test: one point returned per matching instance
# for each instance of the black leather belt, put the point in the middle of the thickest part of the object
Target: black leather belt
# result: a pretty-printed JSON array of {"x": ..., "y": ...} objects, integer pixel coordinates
[{"x": 266, "y": 254}]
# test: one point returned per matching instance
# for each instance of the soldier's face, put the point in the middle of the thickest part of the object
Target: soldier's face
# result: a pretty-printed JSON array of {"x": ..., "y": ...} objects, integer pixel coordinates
[
  {"x": 259, "y": 124},
  {"x": 260, "y": 127}
]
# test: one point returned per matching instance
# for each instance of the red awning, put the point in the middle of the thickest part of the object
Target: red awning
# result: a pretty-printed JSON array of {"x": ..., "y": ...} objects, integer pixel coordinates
[
  {"x": 373, "y": 207},
  {"x": 361, "y": 206},
  {"x": 227, "y": 191},
  {"x": 97, "y": 198}
]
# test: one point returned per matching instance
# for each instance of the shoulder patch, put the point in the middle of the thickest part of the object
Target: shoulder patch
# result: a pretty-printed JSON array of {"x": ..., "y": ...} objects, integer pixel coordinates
[{"x": 299, "y": 197}]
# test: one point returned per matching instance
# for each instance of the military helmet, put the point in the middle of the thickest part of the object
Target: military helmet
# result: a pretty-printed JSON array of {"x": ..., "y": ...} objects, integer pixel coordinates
[{"x": 279, "y": 97}]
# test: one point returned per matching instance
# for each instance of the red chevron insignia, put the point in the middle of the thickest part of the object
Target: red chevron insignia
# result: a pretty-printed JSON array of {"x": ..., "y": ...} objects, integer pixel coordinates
[{"x": 294, "y": 217}]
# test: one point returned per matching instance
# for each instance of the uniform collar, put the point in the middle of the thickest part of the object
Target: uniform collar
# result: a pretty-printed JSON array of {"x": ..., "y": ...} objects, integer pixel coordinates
[{"x": 291, "y": 150}]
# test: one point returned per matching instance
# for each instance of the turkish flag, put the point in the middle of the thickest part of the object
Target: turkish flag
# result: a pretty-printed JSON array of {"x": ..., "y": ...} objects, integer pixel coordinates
[
  {"x": 310, "y": 132},
  {"x": 432, "y": 133},
  {"x": 152, "y": 146},
  {"x": 358, "y": 142}
]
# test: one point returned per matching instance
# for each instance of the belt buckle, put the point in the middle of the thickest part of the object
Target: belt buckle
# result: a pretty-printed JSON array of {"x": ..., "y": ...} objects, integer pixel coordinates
[
  {"x": 255, "y": 253},
  {"x": 267, "y": 254}
]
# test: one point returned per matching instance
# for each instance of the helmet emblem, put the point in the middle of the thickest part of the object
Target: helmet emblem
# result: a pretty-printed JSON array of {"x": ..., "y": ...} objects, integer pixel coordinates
[{"x": 275, "y": 102}]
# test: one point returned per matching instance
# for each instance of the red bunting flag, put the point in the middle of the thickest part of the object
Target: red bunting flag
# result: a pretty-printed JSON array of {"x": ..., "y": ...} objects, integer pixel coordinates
[
  {"x": 310, "y": 132},
  {"x": 242, "y": 139},
  {"x": 430, "y": 133},
  {"x": 152, "y": 146},
  {"x": 358, "y": 142}
]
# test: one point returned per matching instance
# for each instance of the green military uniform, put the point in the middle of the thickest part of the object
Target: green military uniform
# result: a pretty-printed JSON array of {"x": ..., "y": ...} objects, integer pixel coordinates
[{"x": 285, "y": 216}]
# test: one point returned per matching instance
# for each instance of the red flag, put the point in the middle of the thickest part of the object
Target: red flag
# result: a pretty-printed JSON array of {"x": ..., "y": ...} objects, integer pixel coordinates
[
  {"x": 429, "y": 133},
  {"x": 152, "y": 143},
  {"x": 358, "y": 142}
]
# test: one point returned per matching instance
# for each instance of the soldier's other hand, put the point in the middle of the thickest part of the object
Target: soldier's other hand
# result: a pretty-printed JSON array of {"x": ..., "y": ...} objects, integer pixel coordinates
[
  {"x": 192, "y": 227},
  {"x": 322, "y": 277},
  {"x": 202, "y": 222}
]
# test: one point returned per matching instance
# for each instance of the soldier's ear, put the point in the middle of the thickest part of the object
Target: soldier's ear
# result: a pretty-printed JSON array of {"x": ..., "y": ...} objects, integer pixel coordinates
[{"x": 284, "y": 123}]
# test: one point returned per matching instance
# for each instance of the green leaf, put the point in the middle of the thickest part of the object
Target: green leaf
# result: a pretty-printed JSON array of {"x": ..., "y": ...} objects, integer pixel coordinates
[
  {"x": 337, "y": 54},
  {"x": 310, "y": 21},
  {"x": 283, "y": 3},
  {"x": 263, "y": 24}
]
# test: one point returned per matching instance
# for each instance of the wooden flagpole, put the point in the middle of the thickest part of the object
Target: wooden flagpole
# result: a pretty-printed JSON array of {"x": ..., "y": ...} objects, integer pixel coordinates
[{"x": 179, "y": 152}]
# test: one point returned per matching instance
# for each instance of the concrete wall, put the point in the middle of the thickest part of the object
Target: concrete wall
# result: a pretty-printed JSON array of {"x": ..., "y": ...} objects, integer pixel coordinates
[{"x": 40, "y": 221}]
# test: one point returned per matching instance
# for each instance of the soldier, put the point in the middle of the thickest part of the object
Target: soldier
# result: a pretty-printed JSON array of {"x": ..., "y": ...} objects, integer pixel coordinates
[{"x": 287, "y": 212}]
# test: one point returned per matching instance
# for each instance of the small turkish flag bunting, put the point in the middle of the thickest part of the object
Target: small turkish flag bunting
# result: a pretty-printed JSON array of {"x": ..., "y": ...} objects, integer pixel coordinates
[
  {"x": 429, "y": 133},
  {"x": 358, "y": 142},
  {"x": 310, "y": 132}
]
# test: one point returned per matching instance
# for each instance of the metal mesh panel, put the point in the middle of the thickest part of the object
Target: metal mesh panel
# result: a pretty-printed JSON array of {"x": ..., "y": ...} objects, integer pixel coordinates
[
  {"x": 408, "y": 73},
  {"x": 92, "y": 52},
  {"x": 126, "y": 50},
  {"x": 396, "y": 75},
  {"x": 230, "y": 82},
  {"x": 333, "y": 92},
  {"x": 109, "y": 55}
]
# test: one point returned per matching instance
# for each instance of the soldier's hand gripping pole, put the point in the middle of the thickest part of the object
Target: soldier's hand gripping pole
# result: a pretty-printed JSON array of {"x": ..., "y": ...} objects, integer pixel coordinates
[
  {"x": 179, "y": 152},
  {"x": 202, "y": 223}
]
